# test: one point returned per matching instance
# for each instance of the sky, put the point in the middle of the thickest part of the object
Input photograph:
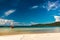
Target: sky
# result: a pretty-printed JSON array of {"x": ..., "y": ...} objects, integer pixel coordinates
[{"x": 27, "y": 12}]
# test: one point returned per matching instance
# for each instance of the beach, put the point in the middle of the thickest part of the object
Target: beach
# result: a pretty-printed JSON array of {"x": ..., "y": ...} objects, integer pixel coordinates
[
  {"x": 45, "y": 36},
  {"x": 30, "y": 34}
]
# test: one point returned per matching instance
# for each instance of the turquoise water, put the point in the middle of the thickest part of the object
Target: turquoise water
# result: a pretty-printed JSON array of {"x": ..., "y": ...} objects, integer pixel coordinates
[{"x": 42, "y": 29}]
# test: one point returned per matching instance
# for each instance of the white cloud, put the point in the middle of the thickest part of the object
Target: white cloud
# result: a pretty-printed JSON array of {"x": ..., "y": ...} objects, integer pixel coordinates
[
  {"x": 8, "y": 22},
  {"x": 35, "y": 7},
  {"x": 5, "y": 21},
  {"x": 57, "y": 18},
  {"x": 25, "y": 24},
  {"x": 51, "y": 5},
  {"x": 28, "y": 24},
  {"x": 17, "y": 24},
  {"x": 33, "y": 23},
  {"x": 9, "y": 12}
]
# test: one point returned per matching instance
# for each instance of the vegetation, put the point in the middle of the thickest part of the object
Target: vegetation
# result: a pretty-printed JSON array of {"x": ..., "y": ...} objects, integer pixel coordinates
[{"x": 51, "y": 24}]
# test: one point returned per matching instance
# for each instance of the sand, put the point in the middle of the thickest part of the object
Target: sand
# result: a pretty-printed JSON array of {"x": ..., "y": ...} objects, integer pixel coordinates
[{"x": 45, "y": 36}]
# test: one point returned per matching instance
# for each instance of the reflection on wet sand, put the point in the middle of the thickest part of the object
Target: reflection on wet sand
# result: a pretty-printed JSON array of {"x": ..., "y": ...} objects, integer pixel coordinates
[{"x": 57, "y": 29}]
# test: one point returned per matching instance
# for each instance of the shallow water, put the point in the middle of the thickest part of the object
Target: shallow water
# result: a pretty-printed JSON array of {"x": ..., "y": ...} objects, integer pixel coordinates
[{"x": 42, "y": 29}]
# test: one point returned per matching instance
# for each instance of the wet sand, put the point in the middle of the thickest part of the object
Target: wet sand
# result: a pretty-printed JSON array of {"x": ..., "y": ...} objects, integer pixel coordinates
[{"x": 9, "y": 31}]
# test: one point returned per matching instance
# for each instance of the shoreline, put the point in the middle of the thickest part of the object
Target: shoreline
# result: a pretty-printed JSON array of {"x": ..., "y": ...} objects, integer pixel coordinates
[{"x": 4, "y": 31}]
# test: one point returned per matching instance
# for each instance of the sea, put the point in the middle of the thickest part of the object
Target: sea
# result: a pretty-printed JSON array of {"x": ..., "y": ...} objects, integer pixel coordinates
[{"x": 33, "y": 29}]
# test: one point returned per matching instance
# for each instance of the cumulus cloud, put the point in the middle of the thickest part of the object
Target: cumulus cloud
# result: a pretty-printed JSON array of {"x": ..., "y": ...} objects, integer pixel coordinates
[
  {"x": 51, "y": 5},
  {"x": 8, "y": 22},
  {"x": 5, "y": 21},
  {"x": 57, "y": 18}
]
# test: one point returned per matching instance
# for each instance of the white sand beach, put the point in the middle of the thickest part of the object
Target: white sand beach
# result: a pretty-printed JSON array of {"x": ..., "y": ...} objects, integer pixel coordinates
[{"x": 44, "y": 36}]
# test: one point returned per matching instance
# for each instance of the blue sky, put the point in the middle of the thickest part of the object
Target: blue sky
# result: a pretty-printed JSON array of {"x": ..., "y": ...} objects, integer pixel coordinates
[{"x": 30, "y": 11}]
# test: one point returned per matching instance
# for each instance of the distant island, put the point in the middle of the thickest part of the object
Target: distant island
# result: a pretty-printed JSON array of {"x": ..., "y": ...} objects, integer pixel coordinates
[{"x": 51, "y": 24}]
